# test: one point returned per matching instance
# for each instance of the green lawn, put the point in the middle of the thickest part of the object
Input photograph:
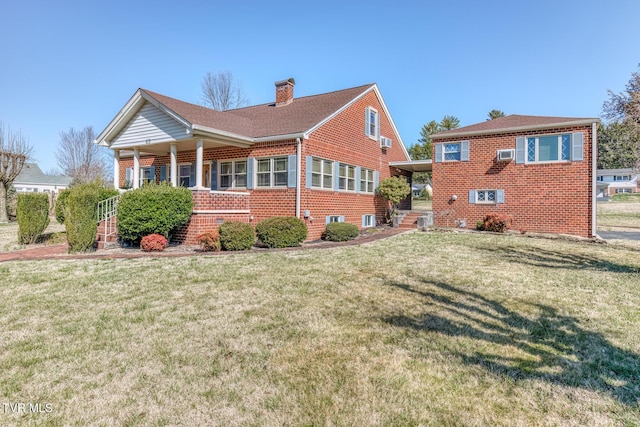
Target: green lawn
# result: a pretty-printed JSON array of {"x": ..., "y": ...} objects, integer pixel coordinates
[{"x": 421, "y": 329}]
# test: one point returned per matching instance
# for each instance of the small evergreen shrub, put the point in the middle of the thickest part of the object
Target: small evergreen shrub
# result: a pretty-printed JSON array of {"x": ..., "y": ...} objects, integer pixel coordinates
[
  {"x": 33, "y": 216},
  {"x": 497, "y": 222},
  {"x": 59, "y": 206},
  {"x": 281, "y": 231},
  {"x": 209, "y": 241},
  {"x": 153, "y": 243},
  {"x": 480, "y": 225},
  {"x": 153, "y": 209},
  {"x": 236, "y": 236},
  {"x": 80, "y": 218},
  {"x": 340, "y": 232}
]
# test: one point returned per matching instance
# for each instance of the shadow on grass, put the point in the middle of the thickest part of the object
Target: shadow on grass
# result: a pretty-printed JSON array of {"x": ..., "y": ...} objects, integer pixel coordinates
[
  {"x": 548, "y": 347},
  {"x": 555, "y": 259}
]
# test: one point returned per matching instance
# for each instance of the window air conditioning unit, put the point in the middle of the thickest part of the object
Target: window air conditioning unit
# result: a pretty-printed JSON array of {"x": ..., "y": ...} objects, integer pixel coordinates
[
  {"x": 505, "y": 155},
  {"x": 385, "y": 142}
]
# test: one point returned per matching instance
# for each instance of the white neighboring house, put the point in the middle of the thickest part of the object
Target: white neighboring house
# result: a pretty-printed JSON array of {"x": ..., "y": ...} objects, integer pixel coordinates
[
  {"x": 32, "y": 179},
  {"x": 616, "y": 181}
]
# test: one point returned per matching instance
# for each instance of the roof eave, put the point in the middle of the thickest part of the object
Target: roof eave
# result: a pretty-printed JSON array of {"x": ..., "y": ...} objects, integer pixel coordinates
[{"x": 581, "y": 122}]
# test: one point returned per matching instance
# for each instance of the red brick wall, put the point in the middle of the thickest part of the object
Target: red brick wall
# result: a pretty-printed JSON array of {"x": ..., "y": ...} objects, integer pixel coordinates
[
  {"x": 542, "y": 197},
  {"x": 341, "y": 139}
]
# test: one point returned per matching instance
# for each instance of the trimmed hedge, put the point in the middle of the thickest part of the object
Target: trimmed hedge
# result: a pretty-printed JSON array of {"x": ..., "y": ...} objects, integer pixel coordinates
[
  {"x": 33, "y": 216},
  {"x": 236, "y": 236},
  {"x": 340, "y": 232},
  {"x": 59, "y": 207},
  {"x": 153, "y": 209},
  {"x": 281, "y": 231},
  {"x": 104, "y": 193},
  {"x": 80, "y": 218}
]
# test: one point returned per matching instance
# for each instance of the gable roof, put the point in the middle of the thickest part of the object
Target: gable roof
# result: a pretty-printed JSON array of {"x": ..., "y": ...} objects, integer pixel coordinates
[
  {"x": 32, "y": 174},
  {"x": 514, "y": 123}
]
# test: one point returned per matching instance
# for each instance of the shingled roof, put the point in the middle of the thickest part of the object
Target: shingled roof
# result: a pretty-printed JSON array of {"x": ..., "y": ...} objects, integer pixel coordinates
[
  {"x": 32, "y": 174},
  {"x": 266, "y": 119},
  {"x": 514, "y": 123}
]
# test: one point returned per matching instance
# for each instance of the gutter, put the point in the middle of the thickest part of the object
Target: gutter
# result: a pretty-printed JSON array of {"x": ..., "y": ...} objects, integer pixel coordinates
[{"x": 512, "y": 129}]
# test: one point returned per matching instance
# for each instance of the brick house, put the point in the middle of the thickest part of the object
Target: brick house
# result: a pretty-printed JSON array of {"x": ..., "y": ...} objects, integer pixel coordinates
[
  {"x": 319, "y": 157},
  {"x": 539, "y": 170}
]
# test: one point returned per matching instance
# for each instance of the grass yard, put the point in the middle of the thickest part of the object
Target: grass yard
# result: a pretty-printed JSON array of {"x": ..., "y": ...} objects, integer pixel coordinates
[
  {"x": 621, "y": 212},
  {"x": 55, "y": 233},
  {"x": 421, "y": 329}
]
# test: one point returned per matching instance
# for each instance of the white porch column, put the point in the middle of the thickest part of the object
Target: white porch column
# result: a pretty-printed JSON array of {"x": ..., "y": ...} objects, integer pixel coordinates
[
  {"x": 136, "y": 168},
  {"x": 199, "y": 155},
  {"x": 174, "y": 164},
  {"x": 116, "y": 169}
]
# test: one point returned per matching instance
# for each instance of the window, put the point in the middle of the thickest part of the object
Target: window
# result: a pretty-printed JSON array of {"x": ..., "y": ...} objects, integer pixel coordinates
[
  {"x": 321, "y": 173},
  {"x": 451, "y": 151},
  {"x": 366, "y": 180},
  {"x": 601, "y": 178},
  {"x": 485, "y": 196},
  {"x": 145, "y": 176},
  {"x": 488, "y": 197},
  {"x": 549, "y": 148},
  {"x": 272, "y": 172},
  {"x": 185, "y": 175},
  {"x": 368, "y": 221},
  {"x": 623, "y": 190},
  {"x": 622, "y": 177},
  {"x": 372, "y": 128},
  {"x": 233, "y": 174},
  {"x": 347, "y": 178},
  {"x": 333, "y": 218}
]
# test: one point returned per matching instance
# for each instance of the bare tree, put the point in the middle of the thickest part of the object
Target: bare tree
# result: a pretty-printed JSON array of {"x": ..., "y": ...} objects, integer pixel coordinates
[
  {"x": 14, "y": 153},
  {"x": 79, "y": 157},
  {"x": 222, "y": 92}
]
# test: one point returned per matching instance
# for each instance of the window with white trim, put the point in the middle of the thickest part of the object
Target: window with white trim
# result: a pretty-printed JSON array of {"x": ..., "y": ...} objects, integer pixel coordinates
[
  {"x": 321, "y": 173},
  {"x": 347, "y": 177},
  {"x": 366, "y": 180},
  {"x": 334, "y": 218},
  {"x": 184, "y": 175},
  {"x": 623, "y": 190},
  {"x": 452, "y": 151},
  {"x": 486, "y": 197},
  {"x": 233, "y": 174},
  {"x": 549, "y": 148},
  {"x": 622, "y": 177},
  {"x": 373, "y": 123},
  {"x": 368, "y": 220},
  {"x": 272, "y": 172},
  {"x": 145, "y": 175},
  {"x": 600, "y": 178}
]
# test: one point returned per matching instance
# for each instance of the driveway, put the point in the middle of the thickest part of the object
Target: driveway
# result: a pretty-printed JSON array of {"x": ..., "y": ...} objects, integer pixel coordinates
[{"x": 619, "y": 235}]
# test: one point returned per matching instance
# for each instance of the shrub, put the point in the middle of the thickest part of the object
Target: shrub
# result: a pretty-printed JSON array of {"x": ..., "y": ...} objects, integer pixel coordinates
[
  {"x": 281, "y": 231},
  {"x": 340, "y": 232},
  {"x": 497, "y": 222},
  {"x": 394, "y": 190},
  {"x": 153, "y": 209},
  {"x": 80, "y": 217},
  {"x": 33, "y": 216},
  {"x": 480, "y": 225},
  {"x": 59, "y": 206},
  {"x": 236, "y": 236},
  {"x": 209, "y": 241},
  {"x": 153, "y": 243}
]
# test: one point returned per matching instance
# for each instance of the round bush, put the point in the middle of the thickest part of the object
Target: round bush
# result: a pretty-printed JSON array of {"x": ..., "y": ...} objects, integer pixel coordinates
[
  {"x": 236, "y": 236},
  {"x": 209, "y": 241},
  {"x": 281, "y": 231},
  {"x": 153, "y": 243},
  {"x": 340, "y": 232},
  {"x": 33, "y": 216},
  {"x": 153, "y": 209}
]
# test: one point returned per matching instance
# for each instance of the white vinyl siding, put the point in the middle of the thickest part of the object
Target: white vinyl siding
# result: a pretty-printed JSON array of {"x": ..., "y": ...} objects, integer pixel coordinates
[{"x": 152, "y": 125}]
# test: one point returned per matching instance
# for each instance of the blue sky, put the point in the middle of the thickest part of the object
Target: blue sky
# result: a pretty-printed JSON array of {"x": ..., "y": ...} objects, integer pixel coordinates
[{"x": 75, "y": 63}]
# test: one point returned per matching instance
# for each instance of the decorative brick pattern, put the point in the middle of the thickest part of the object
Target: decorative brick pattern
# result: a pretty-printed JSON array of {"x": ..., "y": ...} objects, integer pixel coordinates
[{"x": 542, "y": 197}]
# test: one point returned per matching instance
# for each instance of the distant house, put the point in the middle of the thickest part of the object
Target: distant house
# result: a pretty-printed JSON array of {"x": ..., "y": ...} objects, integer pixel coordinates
[
  {"x": 539, "y": 170},
  {"x": 32, "y": 179},
  {"x": 417, "y": 189},
  {"x": 318, "y": 157},
  {"x": 616, "y": 181}
]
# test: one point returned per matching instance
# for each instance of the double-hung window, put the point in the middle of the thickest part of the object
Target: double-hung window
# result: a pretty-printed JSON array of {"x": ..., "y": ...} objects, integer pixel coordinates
[
  {"x": 185, "y": 175},
  {"x": 145, "y": 176},
  {"x": 321, "y": 173},
  {"x": 366, "y": 180},
  {"x": 233, "y": 174},
  {"x": 347, "y": 177},
  {"x": 372, "y": 125},
  {"x": 272, "y": 172}
]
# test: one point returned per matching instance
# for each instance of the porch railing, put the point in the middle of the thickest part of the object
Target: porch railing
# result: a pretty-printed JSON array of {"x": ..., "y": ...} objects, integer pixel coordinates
[{"x": 106, "y": 212}]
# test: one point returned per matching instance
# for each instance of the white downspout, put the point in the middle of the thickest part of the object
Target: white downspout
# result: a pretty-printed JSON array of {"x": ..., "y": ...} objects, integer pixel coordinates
[
  {"x": 299, "y": 174},
  {"x": 594, "y": 171}
]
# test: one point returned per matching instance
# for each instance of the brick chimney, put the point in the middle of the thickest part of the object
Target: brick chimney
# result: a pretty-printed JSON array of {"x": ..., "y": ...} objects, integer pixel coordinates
[{"x": 284, "y": 92}]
